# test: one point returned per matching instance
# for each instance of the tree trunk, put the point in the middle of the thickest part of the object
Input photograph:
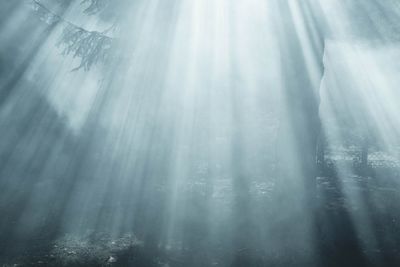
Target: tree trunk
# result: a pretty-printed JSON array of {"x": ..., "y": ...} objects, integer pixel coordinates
[{"x": 300, "y": 123}]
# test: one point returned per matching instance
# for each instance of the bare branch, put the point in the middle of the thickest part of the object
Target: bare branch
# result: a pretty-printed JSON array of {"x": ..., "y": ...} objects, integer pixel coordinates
[{"x": 95, "y": 6}]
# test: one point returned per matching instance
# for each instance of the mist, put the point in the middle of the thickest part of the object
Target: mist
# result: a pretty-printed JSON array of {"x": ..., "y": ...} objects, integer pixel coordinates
[{"x": 199, "y": 133}]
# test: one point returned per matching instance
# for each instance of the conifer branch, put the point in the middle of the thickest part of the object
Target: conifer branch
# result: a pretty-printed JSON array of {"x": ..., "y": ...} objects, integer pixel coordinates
[{"x": 91, "y": 47}]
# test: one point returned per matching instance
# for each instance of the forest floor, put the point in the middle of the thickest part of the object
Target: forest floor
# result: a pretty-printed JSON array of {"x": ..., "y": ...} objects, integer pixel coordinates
[{"x": 371, "y": 207}]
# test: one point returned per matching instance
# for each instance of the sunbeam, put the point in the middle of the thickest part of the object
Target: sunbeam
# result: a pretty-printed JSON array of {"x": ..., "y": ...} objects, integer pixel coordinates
[{"x": 199, "y": 133}]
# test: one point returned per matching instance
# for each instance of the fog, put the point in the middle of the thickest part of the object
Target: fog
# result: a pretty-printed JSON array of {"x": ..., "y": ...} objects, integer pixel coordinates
[{"x": 199, "y": 133}]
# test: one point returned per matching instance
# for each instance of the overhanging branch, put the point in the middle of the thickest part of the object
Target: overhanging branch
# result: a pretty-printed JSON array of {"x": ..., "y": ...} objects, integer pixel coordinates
[{"x": 90, "y": 46}]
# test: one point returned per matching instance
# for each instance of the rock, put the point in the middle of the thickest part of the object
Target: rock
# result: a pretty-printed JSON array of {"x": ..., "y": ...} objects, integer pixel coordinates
[{"x": 111, "y": 259}]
